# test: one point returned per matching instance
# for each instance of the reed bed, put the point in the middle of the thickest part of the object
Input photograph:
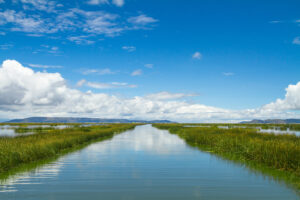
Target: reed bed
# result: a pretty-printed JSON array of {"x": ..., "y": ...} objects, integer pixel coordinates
[
  {"x": 280, "y": 152},
  {"x": 46, "y": 145}
]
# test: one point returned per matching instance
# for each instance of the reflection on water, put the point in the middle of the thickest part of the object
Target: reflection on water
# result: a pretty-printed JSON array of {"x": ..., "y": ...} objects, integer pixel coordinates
[
  {"x": 261, "y": 130},
  {"x": 144, "y": 163},
  {"x": 30, "y": 178},
  {"x": 9, "y": 130},
  {"x": 278, "y": 131}
]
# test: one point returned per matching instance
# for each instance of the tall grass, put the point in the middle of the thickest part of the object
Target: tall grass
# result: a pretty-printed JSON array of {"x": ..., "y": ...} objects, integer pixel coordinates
[
  {"x": 280, "y": 152},
  {"x": 45, "y": 145},
  {"x": 293, "y": 127}
]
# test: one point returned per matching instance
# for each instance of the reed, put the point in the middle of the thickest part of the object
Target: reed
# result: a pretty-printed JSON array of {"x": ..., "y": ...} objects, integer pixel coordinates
[
  {"x": 46, "y": 145},
  {"x": 280, "y": 152}
]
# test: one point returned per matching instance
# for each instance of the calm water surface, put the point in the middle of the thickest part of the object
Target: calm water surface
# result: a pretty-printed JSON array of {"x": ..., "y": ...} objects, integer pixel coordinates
[
  {"x": 9, "y": 131},
  {"x": 277, "y": 131},
  {"x": 144, "y": 163}
]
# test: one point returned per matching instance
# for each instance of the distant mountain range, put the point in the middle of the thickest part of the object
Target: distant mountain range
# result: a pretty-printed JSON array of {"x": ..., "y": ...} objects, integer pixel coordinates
[
  {"x": 272, "y": 121},
  {"x": 80, "y": 120}
]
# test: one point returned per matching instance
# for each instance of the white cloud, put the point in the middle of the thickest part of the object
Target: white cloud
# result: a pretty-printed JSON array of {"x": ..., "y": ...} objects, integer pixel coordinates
[
  {"x": 290, "y": 102},
  {"x": 197, "y": 55},
  {"x": 81, "y": 39},
  {"x": 149, "y": 66},
  {"x": 119, "y": 3},
  {"x": 101, "y": 23},
  {"x": 112, "y": 85},
  {"x": 20, "y": 86},
  {"x": 35, "y": 35},
  {"x": 167, "y": 96},
  {"x": 45, "y": 66},
  {"x": 24, "y": 23},
  {"x": 48, "y": 49},
  {"x": 27, "y": 93},
  {"x": 275, "y": 22},
  {"x": 81, "y": 83},
  {"x": 296, "y": 40},
  {"x": 129, "y": 48},
  {"x": 142, "y": 20},
  {"x": 97, "y": 2},
  {"x": 85, "y": 24},
  {"x": 228, "y": 73},
  {"x": 137, "y": 72},
  {"x": 43, "y": 5},
  {"x": 5, "y": 46},
  {"x": 98, "y": 71}
]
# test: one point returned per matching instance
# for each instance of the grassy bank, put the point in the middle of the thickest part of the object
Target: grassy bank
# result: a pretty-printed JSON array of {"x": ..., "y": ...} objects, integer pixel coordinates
[
  {"x": 279, "y": 152},
  {"x": 46, "y": 145}
]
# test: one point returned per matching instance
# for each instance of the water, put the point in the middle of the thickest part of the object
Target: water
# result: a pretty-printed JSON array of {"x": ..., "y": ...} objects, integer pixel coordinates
[
  {"x": 9, "y": 130},
  {"x": 260, "y": 130},
  {"x": 278, "y": 131},
  {"x": 144, "y": 163}
]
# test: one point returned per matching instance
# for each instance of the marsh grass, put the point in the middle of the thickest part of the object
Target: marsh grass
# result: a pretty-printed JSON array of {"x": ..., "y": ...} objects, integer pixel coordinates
[
  {"x": 18, "y": 151},
  {"x": 292, "y": 127},
  {"x": 257, "y": 150}
]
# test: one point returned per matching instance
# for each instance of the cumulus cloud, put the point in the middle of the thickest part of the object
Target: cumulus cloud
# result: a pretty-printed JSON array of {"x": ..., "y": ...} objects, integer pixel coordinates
[
  {"x": 290, "y": 102},
  {"x": 21, "y": 86},
  {"x": 27, "y": 93},
  {"x": 137, "y": 72},
  {"x": 197, "y": 55}
]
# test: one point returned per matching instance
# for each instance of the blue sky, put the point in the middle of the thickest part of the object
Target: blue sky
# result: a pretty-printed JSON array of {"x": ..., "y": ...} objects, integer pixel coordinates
[{"x": 230, "y": 55}]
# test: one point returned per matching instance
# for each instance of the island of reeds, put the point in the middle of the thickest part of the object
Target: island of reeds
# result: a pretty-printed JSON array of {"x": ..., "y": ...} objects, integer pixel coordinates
[
  {"x": 48, "y": 143},
  {"x": 263, "y": 151}
]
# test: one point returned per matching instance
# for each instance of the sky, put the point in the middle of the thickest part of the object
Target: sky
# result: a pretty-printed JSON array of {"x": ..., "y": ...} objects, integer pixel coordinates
[{"x": 195, "y": 61}]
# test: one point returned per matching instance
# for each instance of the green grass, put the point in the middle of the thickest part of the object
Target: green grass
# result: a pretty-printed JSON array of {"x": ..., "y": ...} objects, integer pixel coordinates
[
  {"x": 278, "y": 152},
  {"x": 18, "y": 151},
  {"x": 293, "y": 127}
]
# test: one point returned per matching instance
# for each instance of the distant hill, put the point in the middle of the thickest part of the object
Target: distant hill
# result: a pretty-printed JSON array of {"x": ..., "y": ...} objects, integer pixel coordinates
[
  {"x": 272, "y": 121},
  {"x": 80, "y": 120}
]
